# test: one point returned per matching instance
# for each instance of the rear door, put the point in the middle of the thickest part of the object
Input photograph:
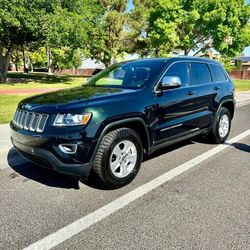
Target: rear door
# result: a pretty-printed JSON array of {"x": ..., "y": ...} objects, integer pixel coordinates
[
  {"x": 220, "y": 82},
  {"x": 207, "y": 93}
]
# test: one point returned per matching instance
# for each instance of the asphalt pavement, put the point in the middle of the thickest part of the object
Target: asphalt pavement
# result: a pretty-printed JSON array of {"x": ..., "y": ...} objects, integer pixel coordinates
[{"x": 206, "y": 207}]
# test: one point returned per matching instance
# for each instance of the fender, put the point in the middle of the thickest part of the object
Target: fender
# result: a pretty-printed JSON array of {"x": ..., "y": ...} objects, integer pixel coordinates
[
  {"x": 120, "y": 122},
  {"x": 220, "y": 105}
]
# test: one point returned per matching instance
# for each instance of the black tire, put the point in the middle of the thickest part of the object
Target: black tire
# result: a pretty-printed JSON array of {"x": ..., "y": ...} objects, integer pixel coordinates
[
  {"x": 214, "y": 134},
  {"x": 101, "y": 168}
]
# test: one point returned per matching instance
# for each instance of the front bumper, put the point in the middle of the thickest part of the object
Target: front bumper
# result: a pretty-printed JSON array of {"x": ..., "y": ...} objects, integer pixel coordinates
[{"x": 40, "y": 152}]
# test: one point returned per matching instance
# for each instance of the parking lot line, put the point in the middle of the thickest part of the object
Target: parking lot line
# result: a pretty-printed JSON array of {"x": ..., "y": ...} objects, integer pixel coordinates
[{"x": 85, "y": 222}]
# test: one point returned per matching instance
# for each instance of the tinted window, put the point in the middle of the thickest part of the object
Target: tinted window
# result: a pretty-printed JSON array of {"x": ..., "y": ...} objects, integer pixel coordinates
[
  {"x": 200, "y": 73},
  {"x": 180, "y": 70},
  {"x": 218, "y": 73},
  {"x": 128, "y": 75}
]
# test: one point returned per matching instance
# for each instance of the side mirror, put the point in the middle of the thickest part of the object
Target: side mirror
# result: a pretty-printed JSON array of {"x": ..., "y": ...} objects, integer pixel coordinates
[{"x": 170, "y": 82}]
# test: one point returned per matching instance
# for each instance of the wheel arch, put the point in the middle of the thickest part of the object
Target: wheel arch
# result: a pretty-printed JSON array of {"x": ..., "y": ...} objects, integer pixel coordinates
[
  {"x": 135, "y": 123},
  {"x": 230, "y": 105}
]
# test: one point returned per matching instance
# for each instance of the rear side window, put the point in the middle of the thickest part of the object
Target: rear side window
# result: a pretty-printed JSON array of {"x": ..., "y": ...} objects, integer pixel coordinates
[
  {"x": 180, "y": 70},
  {"x": 218, "y": 73},
  {"x": 200, "y": 74}
]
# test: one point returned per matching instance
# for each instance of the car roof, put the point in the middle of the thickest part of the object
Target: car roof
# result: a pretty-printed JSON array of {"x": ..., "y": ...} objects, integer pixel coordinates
[{"x": 176, "y": 58}]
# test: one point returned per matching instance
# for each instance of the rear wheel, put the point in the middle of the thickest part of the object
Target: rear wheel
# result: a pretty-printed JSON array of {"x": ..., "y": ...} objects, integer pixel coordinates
[
  {"x": 118, "y": 158},
  {"x": 222, "y": 126}
]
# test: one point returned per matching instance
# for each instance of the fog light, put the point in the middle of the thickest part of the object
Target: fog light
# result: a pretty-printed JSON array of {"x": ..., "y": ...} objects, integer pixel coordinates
[{"x": 68, "y": 148}]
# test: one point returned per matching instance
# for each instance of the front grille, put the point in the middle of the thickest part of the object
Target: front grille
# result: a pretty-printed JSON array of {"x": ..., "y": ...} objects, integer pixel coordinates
[{"x": 30, "y": 120}]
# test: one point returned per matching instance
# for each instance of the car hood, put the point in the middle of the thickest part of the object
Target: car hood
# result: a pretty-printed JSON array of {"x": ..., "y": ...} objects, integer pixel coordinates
[{"x": 70, "y": 98}]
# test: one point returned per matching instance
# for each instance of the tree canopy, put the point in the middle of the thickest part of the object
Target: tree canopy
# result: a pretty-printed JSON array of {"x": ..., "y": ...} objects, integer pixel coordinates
[
  {"x": 19, "y": 24},
  {"x": 105, "y": 30},
  {"x": 136, "y": 40},
  {"x": 197, "y": 25},
  {"x": 52, "y": 23},
  {"x": 107, "y": 38}
]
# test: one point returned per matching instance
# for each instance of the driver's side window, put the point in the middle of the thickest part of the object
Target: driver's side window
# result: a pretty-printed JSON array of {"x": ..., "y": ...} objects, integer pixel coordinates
[{"x": 180, "y": 70}]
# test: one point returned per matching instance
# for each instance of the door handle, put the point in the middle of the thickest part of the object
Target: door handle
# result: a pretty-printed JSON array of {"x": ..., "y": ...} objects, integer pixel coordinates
[
  {"x": 216, "y": 88},
  {"x": 190, "y": 93}
]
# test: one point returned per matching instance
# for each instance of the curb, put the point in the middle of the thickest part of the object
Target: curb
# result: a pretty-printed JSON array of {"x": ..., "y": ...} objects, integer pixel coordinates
[{"x": 242, "y": 103}]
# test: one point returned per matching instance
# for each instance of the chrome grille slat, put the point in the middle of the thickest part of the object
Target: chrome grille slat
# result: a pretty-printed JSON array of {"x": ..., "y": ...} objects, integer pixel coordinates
[
  {"x": 30, "y": 120},
  {"x": 15, "y": 115},
  {"x": 22, "y": 119},
  {"x": 42, "y": 123},
  {"x": 18, "y": 118},
  {"x": 27, "y": 121},
  {"x": 38, "y": 121},
  {"x": 34, "y": 124},
  {"x": 25, "y": 114}
]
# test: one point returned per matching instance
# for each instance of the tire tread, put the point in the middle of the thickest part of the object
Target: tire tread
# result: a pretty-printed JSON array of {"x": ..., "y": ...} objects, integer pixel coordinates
[{"x": 97, "y": 168}]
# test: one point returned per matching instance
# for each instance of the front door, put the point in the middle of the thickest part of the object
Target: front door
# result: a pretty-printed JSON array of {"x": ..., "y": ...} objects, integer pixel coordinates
[{"x": 175, "y": 107}]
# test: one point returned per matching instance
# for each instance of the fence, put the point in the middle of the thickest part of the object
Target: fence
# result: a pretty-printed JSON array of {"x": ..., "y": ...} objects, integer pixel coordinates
[
  {"x": 240, "y": 74},
  {"x": 235, "y": 74}
]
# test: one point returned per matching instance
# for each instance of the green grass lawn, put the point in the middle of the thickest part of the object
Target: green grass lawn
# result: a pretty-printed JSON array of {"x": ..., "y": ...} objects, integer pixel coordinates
[
  {"x": 8, "y": 104},
  {"x": 41, "y": 81},
  {"x": 242, "y": 85}
]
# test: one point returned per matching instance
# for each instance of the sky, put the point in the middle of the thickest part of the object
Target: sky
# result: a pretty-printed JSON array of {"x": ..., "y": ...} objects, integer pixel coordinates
[
  {"x": 130, "y": 5},
  {"x": 246, "y": 51}
]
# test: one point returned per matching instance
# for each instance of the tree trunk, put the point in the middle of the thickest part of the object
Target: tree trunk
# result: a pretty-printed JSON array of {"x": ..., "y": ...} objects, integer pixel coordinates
[
  {"x": 25, "y": 69},
  {"x": 197, "y": 52},
  {"x": 5, "y": 62},
  {"x": 110, "y": 31},
  {"x": 15, "y": 58},
  {"x": 49, "y": 60},
  {"x": 31, "y": 67},
  {"x": 16, "y": 65},
  {"x": 157, "y": 52}
]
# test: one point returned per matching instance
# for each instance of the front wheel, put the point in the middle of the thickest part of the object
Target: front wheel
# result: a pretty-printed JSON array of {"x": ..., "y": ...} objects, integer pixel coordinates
[
  {"x": 118, "y": 158},
  {"x": 222, "y": 126}
]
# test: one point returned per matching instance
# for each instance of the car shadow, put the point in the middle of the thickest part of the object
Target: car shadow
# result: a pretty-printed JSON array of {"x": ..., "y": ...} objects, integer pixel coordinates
[
  {"x": 240, "y": 146},
  {"x": 167, "y": 149},
  {"x": 51, "y": 178},
  {"x": 42, "y": 175},
  {"x": 206, "y": 140},
  {"x": 203, "y": 139},
  {"x": 93, "y": 183}
]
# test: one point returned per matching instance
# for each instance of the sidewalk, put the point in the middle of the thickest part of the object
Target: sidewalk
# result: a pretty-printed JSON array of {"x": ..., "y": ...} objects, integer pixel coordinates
[
  {"x": 242, "y": 96},
  {"x": 4, "y": 137},
  {"x": 5, "y": 143}
]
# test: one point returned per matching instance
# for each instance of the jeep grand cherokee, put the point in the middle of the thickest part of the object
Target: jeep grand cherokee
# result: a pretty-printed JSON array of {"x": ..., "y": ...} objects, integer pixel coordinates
[{"x": 125, "y": 111}]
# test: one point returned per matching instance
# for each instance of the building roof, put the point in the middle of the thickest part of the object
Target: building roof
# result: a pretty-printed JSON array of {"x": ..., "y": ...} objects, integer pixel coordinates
[{"x": 244, "y": 59}]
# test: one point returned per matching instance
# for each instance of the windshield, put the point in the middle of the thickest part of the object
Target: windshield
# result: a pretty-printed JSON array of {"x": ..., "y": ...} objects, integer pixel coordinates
[{"x": 128, "y": 75}]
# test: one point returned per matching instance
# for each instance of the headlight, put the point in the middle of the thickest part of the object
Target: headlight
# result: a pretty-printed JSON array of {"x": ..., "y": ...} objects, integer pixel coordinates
[{"x": 72, "y": 119}]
